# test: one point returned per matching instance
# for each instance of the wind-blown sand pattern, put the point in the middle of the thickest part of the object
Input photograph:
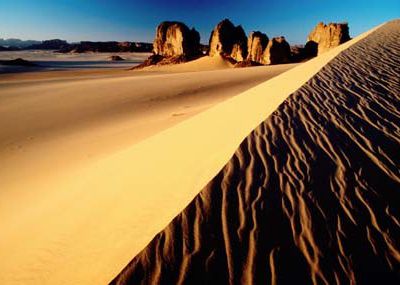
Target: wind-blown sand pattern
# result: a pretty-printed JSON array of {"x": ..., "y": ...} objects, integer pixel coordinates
[
  {"x": 71, "y": 143},
  {"x": 311, "y": 195}
]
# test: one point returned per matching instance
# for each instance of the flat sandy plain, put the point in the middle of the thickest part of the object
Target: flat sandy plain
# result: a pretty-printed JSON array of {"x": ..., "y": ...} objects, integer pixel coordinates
[
  {"x": 56, "y": 125},
  {"x": 51, "y": 60}
]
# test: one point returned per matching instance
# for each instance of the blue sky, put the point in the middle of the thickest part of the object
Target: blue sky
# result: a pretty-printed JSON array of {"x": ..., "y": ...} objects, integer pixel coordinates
[{"x": 102, "y": 20}]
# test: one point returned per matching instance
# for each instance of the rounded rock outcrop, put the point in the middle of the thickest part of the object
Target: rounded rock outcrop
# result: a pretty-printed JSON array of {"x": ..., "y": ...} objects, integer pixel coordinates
[
  {"x": 256, "y": 44},
  {"x": 277, "y": 51},
  {"x": 176, "y": 39},
  {"x": 326, "y": 37},
  {"x": 228, "y": 40}
]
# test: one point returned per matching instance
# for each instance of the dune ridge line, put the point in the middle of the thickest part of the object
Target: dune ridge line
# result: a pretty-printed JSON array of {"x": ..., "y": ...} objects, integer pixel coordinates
[
  {"x": 309, "y": 197},
  {"x": 136, "y": 192}
]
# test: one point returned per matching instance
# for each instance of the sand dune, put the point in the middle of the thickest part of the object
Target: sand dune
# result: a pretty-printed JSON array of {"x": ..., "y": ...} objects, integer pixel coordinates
[
  {"x": 203, "y": 63},
  {"x": 56, "y": 128},
  {"x": 82, "y": 222},
  {"x": 311, "y": 196}
]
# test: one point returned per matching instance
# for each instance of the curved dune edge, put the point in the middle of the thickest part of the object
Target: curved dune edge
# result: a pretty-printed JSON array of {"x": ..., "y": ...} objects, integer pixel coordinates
[
  {"x": 86, "y": 237},
  {"x": 203, "y": 63},
  {"x": 309, "y": 197}
]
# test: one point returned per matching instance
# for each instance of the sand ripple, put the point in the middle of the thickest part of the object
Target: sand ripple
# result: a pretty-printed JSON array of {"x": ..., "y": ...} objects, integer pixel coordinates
[{"x": 311, "y": 195}]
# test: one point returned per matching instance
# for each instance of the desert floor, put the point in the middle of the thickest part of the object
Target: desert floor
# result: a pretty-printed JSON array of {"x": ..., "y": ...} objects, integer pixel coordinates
[
  {"x": 56, "y": 125},
  {"x": 51, "y": 60}
]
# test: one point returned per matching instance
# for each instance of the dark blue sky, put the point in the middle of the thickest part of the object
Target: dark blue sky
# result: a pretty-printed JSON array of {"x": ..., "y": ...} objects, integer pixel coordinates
[{"x": 76, "y": 20}]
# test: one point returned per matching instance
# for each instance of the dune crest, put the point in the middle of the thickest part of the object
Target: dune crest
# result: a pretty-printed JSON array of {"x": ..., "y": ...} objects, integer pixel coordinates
[
  {"x": 310, "y": 195},
  {"x": 48, "y": 234},
  {"x": 215, "y": 62}
]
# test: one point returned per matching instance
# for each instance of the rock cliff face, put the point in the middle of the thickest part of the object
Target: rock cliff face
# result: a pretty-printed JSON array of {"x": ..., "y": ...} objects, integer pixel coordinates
[
  {"x": 329, "y": 36},
  {"x": 228, "y": 40},
  {"x": 174, "y": 43},
  {"x": 239, "y": 52},
  {"x": 176, "y": 39},
  {"x": 256, "y": 44},
  {"x": 277, "y": 51}
]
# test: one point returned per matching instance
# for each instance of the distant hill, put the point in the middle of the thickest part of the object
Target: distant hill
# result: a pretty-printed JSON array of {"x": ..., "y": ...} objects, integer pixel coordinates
[
  {"x": 4, "y": 48},
  {"x": 49, "y": 45},
  {"x": 17, "y": 43},
  {"x": 107, "y": 47},
  {"x": 81, "y": 47}
]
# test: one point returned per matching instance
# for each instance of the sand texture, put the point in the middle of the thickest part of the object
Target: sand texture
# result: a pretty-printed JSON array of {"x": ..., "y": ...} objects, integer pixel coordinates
[
  {"x": 75, "y": 157},
  {"x": 312, "y": 193},
  {"x": 215, "y": 62},
  {"x": 100, "y": 115},
  {"x": 103, "y": 167}
]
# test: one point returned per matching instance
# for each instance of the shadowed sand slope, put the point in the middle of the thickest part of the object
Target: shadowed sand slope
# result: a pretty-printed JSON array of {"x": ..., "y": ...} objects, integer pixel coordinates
[{"x": 311, "y": 195}]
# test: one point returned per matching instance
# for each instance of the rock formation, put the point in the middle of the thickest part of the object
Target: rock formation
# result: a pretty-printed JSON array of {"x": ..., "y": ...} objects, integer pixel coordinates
[
  {"x": 277, "y": 51},
  {"x": 116, "y": 58},
  {"x": 297, "y": 53},
  {"x": 228, "y": 40},
  {"x": 310, "y": 49},
  {"x": 302, "y": 53},
  {"x": 239, "y": 52},
  {"x": 176, "y": 39},
  {"x": 256, "y": 44},
  {"x": 174, "y": 43},
  {"x": 328, "y": 36}
]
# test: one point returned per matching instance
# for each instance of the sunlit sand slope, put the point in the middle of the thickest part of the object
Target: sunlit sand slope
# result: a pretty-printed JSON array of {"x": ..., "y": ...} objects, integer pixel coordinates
[{"x": 311, "y": 195}]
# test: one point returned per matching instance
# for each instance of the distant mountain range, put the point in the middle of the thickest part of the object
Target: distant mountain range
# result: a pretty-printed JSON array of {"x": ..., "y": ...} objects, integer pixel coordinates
[
  {"x": 17, "y": 43},
  {"x": 65, "y": 47}
]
